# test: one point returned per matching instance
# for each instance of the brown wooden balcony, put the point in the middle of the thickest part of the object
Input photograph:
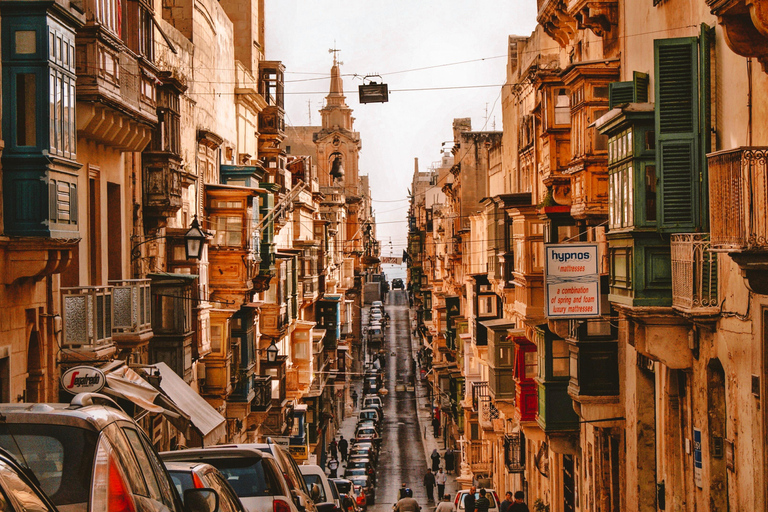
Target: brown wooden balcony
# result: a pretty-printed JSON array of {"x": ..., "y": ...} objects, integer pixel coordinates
[
  {"x": 87, "y": 321},
  {"x": 694, "y": 275},
  {"x": 738, "y": 194}
]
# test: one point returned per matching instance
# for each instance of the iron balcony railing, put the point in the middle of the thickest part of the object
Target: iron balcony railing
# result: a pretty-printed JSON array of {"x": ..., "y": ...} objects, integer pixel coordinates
[
  {"x": 738, "y": 196},
  {"x": 479, "y": 392},
  {"x": 694, "y": 274},
  {"x": 262, "y": 386}
]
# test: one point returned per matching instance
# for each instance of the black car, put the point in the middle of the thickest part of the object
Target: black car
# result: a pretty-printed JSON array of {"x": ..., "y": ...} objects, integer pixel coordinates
[{"x": 397, "y": 284}]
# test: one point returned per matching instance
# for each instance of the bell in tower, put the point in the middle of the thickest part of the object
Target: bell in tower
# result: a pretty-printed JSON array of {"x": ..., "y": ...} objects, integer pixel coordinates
[{"x": 337, "y": 171}]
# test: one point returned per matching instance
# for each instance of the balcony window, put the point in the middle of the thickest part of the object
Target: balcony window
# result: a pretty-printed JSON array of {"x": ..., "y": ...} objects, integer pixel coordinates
[
  {"x": 131, "y": 305},
  {"x": 228, "y": 230},
  {"x": 486, "y": 306},
  {"x": 107, "y": 15},
  {"x": 621, "y": 197},
  {"x": 26, "y": 111},
  {"x": 562, "y": 107},
  {"x": 560, "y": 358}
]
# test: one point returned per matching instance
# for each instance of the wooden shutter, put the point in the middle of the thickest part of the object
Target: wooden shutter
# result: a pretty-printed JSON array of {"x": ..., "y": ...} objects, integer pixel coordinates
[
  {"x": 635, "y": 91},
  {"x": 677, "y": 123}
]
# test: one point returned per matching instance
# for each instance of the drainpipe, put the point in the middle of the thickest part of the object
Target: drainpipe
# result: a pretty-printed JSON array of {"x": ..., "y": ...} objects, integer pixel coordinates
[{"x": 749, "y": 101}]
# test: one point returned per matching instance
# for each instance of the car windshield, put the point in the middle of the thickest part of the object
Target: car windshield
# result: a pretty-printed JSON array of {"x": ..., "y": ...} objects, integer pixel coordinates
[
  {"x": 60, "y": 456},
  {"x": 488, "y": 495},
  {"x": 343, "y": 486},
  {"x": 311, "y": 480},
  {"x": 245, "y": 475}
]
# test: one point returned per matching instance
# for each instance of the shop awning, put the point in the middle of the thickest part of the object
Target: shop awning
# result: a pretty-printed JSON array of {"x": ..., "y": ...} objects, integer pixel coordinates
[
  {"x": 205, "y": 419},
  {"x": 124, "y": 383}
]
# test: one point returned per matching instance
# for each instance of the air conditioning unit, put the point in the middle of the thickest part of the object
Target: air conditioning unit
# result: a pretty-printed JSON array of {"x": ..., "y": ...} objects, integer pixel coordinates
[{"x": 200, "y": 371}]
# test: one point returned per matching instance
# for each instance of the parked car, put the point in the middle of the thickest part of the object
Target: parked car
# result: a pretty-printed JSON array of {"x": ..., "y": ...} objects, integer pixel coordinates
[
  {"x": 364, "y": 486},
  {"x": 368, "y": 424},
  {"x": 90, "y": 455},
  {"x": 397, "y": 284},
  {"x": 290, "y": 471},
  {"x": 377, "y": 303},
  {"x": 376, "y": 334},
  {"x": 322, "y": 491},
  {"x": 369, "y": 414},
  {"x": 346, "y": 494},
  {"x": 255, "y": 476},
  {"x": 19, "y": 491},
  {"x": 195, "y": 475},
  {"x": 373, "y": 401},
  {"x": 489, "y": 493}
]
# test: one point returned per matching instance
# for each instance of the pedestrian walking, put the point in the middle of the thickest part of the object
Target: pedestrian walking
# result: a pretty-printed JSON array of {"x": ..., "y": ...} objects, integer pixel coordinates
[
  {"x": 343, "y": 447},
  {"x": 469, "y": 501},
  {"x": 332, "y": 447},
  {"x": 429, "y": 483},
  {"x": 333, "y": 466},
  {"x": 482, "y": 504},
  {"x": 504, "y": 505},
  {"x": 445, "y": 505},
  {"x": 519, "y": 504},
  {"x": 435, "y": 460},
  {"x": 436, "y": 426},
  {"x": 440, "y": 479},
  {"x": 401, "y": 493},
  {"x": 354, "y": 397},
  {"x": 449, "y": 459}
]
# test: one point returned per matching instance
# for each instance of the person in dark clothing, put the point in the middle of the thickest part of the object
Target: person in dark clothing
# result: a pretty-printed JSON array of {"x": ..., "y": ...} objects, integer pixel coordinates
[
  {"x": 519, "y": 505},
  {"x": 401, "y": 493},
  {"x": 353, "y": 395},
  {"x": 469, "y": 500},
  {"x": 332, "y": 447},
  {"x": 435, "y": 460},
  {"x": 429, "y": 483},
  {"x": 343, "y": 447},
  {"x": 448, "y": 456},
  {"x": 436, "y": 426},
  {"x": 482, "y": 504},
  {"x": 504, "y": 505}
]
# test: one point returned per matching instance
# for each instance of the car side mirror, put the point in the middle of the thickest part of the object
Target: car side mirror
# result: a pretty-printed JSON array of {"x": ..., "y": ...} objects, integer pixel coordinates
[
  {"x": 315, "y": 492},
  {"x": 201, "y": 500},
  {"x": 299, "y": 501}
]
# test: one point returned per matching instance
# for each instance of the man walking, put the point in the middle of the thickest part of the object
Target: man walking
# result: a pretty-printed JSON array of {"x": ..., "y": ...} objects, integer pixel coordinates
[
  {"x": 429, "y": 483},
  {"x": 440, "y": 479},
  {"x": 436, "y": 426},
  {"x": 519, "y": 505},
  {"x": 332, "y": 448},
  {"x": 469, "y": 501},
  {"x": 343, "y": 446},
  {"x": 504, "y": 506},
  {"x": 445, "y": 505},
  {"x": 482, "y": 504}
]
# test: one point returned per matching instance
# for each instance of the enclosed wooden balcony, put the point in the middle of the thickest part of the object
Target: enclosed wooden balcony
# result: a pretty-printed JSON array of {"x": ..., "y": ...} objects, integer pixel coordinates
[
  {"x": 694, "y": 275},
  {"x": 132, "y": 321},
  {"x": 87, "y": 322},
  {"x": 738, "y": 192}
]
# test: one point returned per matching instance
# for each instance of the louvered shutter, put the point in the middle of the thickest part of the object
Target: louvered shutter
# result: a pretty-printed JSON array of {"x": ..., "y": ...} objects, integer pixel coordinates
[
  {"x": 677, "y": 122},
  {"x": 620, "y": 93}
]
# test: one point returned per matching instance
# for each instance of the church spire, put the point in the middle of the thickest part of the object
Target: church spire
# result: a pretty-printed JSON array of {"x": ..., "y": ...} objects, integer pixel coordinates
[
  {"x": 336, "y": 114},
  {"x": 336, "y": 96}
]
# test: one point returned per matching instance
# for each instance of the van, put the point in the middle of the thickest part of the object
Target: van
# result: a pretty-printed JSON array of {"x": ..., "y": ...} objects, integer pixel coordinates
[{"x": 375, "y": 334}]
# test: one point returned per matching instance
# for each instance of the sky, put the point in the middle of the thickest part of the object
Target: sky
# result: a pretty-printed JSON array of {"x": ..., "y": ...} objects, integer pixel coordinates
[{"x": 462, "y": 43}]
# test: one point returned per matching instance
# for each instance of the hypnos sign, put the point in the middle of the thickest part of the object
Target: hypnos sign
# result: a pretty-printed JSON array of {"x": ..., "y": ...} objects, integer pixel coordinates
[{"x": 572, "y": 280}]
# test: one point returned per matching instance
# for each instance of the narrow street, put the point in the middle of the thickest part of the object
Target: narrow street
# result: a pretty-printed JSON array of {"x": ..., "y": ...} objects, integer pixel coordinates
[{"x": 402, "y": 451}]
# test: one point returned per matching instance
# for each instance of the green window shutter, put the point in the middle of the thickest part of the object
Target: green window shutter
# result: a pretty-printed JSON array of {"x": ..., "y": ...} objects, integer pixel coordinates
[
  {"x": 677, "y": 123},
  {"x": 641, "y": 86},
  {"x": 620, "y": 93}
]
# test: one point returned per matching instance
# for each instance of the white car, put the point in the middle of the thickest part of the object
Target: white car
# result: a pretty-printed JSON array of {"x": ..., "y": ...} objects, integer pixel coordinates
[
  {"x": 458, "y": 501},
  {"x": 255, "y": 476},
  {"x": 325, "y": 495}
]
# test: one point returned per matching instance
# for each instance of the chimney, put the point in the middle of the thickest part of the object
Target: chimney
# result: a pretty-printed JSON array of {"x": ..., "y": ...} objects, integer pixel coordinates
[{"x": 416, "y": 165}]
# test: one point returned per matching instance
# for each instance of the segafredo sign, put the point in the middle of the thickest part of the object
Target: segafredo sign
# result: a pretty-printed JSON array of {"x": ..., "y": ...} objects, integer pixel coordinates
[
  {"x": 83, "y": 379},
  {"x": 573, "y": 280}
]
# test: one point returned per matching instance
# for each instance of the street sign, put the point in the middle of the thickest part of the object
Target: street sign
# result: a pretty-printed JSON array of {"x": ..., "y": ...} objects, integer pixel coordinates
[
  {"x": 697, "y": 458},
  {"x": 83, "y": 379},
  {"x": 572, "y": 273}
]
